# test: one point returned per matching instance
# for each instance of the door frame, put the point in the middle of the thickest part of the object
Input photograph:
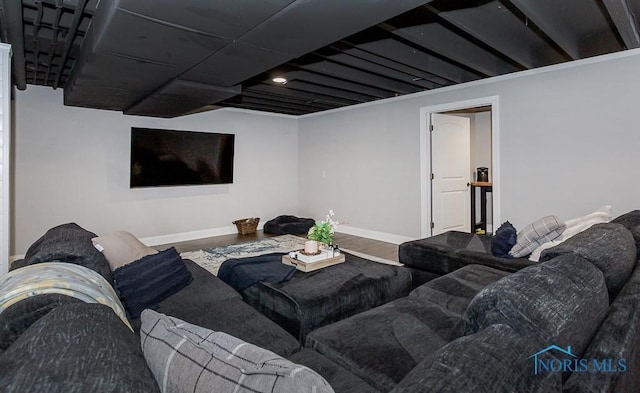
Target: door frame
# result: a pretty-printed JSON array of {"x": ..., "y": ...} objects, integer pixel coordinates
[{"x": 425, "y": 156}]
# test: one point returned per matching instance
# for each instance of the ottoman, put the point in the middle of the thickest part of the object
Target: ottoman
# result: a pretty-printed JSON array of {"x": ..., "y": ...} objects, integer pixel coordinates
[
  {"x": 450, "y": 251},
  {"x": 317, "y": 298}
]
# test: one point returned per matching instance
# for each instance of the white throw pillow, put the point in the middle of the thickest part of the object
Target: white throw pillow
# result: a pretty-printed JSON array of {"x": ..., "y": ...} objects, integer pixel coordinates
[{"x": 121, "y": 248}]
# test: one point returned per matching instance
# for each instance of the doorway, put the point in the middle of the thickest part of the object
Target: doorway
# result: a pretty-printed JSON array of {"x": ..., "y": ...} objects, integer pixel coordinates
[{"x": 451, "y": 153}]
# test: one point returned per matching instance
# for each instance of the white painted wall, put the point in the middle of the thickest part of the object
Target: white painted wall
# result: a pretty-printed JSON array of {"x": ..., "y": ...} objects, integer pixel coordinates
[
  {"x": 569, "y": 142},
  {"x": 72, "y": 165},
  {"x": 5, "y": 154}
]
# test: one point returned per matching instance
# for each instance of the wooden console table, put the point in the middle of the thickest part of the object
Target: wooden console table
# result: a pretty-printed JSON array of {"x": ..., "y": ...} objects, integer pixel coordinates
[{"x": 484, "y": 186}]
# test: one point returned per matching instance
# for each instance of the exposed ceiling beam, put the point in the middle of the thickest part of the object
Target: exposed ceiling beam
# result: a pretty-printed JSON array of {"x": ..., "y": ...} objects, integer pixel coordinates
[
  {"x": 11, "y": 17},
  {"x": 552, "y": 23},
  {"x": 623, "y": 19},
  {"x": 77, "y": 18}
]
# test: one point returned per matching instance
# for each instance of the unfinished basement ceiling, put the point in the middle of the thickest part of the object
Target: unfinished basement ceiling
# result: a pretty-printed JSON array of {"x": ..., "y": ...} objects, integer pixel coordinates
[{"x": 168, "y": 58}]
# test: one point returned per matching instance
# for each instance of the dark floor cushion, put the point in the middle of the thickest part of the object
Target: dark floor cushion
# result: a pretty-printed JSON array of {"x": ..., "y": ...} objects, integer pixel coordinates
[
  {"x": 609, "y": 247},
  {"x": 76, "y": 348},
  {"x": 288, "y": 225},
  {"x": 67, "y": 243}
]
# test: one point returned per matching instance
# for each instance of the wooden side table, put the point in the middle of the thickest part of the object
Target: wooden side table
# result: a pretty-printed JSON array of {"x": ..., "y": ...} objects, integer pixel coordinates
[{"x": 484, "y": 186}]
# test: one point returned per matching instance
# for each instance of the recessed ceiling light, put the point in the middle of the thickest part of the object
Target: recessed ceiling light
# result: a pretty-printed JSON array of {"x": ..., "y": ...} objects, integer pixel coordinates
[{"x": 280, "y": 79}]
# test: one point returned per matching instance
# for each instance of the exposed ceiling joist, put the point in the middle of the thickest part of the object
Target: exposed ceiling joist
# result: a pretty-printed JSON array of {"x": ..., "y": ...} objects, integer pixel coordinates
[
  {"x": 625, "y": 22},
  {"x": 164, "y": 58}
]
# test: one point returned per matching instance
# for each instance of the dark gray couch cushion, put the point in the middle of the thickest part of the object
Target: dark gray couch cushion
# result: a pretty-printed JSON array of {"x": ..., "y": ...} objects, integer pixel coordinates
[
  {"x": 631, "y": 221},
  {"x": 212, "y": 304},
  {"x": 310, "y": 300},
  {"x": 403, "y": 332},
  {"x": 383, "y": 344},
  {"x": 556, "y": 302},
  {"x": 617, "y": 338},
  {"x": 609, "y": 247},
  {"x": 81, "y": 347},
  {"x": 341, "y": 380},
  {"x": 18, "y": 317},
  {"x": 452, "y": 250},
  {"x": 67, "y": 243},
  {"x": 455, "y": 290},
  {"x": 495, "y": 359}
]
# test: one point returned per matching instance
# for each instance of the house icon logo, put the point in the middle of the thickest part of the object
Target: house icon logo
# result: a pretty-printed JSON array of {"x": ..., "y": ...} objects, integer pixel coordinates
[
  {"x": 553, "y": 347},
  {"x": 564, "y": 360}
]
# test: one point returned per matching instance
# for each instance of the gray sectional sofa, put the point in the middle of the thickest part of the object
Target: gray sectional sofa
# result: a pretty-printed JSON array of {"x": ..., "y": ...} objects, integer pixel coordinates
[{"x": 569, "y": 323}]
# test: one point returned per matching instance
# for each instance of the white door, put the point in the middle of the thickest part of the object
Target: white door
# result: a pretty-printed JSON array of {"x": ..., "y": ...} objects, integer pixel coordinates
[{"x": 450, "y": 173}]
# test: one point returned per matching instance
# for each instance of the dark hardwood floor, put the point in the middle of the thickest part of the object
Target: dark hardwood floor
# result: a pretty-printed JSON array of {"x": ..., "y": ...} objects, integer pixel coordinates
[{"x": 360, "y": 244}]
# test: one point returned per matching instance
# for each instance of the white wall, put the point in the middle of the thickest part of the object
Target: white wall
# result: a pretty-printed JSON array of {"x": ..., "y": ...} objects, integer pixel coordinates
[
  {"x": 72, "y": 165},
  {"x": 569, "y": 142},
  {"x": 5, "y": 154}
]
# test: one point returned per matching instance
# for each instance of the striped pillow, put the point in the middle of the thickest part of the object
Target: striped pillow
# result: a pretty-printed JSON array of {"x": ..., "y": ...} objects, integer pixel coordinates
[
  {"x": 535, "y": 234},
  {"x": 188, "y": 358}
]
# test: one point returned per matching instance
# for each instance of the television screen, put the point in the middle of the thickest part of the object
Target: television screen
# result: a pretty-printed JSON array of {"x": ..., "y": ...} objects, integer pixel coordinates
[{"x": 177, "y": 158}]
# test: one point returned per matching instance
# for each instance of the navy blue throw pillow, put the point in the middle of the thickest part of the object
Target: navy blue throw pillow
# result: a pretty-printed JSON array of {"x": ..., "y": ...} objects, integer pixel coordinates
[
  {"x": 149, "y": 280},
  {"x": 503, "y": 240}
]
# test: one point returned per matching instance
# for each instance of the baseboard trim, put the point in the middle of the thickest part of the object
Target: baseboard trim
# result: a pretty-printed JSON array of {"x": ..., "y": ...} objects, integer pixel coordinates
[
  {"x": 374, "y": 235},
  {"x": 152, "y": 241},
  {"x": 192, "y": 235}
]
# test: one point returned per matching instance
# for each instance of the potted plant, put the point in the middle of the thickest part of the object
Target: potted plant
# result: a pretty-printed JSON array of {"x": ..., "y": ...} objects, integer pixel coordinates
[{"x": 321, "y": 232}]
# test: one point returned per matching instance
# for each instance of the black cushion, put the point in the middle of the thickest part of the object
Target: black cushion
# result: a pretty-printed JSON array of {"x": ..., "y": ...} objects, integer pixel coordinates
[
  {"x": 503, "y": 240},
  {"x": 208, "y": 302},
  {"x": 449, "y": 251},
  {"x": 563, "y": 300},
  {"x": 310, "y": 300},
  {"x": 146, "y": 282},
  {"x": 18, "y": 317},
  {"x": 631, "y": 221},
  {"x": 495, "y": 359},
  {"x": 610, "y": 247},
  {"x": 67, "y": 243},
  {"x": 288, "y": 225},
  {"x": 76, "y": 348}
]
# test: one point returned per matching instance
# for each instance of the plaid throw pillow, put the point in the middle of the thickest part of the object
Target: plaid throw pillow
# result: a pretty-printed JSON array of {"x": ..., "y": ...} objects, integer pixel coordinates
[
  {"x": 535, "y": 234},
  {"x": 189, "y": 358}
]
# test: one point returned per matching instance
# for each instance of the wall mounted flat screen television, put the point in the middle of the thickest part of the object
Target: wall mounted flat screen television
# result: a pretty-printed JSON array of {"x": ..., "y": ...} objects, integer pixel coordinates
[{"x": 179, "y": 158}]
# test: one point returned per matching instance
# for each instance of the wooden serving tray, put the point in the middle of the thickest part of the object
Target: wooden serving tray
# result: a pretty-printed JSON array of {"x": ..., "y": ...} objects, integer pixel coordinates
[{"x": 311, "y": 266}]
